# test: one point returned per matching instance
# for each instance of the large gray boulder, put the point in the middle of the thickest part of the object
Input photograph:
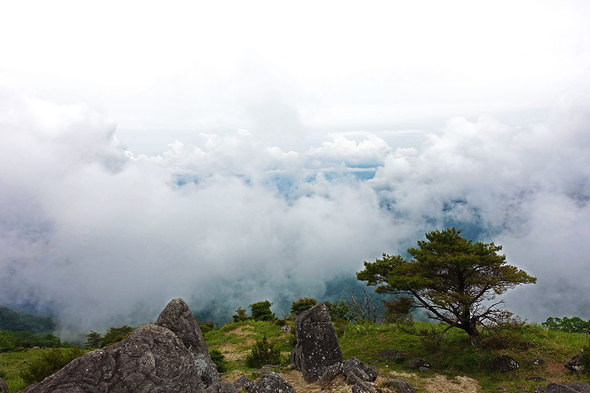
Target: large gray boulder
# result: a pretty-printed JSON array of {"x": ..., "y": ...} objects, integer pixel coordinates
[
  {"x": 574, "y": 387},
  {"x": 575, "y": 364},
  {"x": 271, "y": 382},
  {"x": 151, "y": 359},
  {"x": 317, "y": 346},
  {"x": 177, "y": 317}
]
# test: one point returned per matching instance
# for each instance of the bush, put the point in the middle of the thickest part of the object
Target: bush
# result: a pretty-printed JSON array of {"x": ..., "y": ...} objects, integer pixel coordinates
[
  {"x": 263, "y": 353},
  {"x": 219, "y": 360},
  {"x": 114, "y": 335},
  {"x": 304, "y": 303},
  {"x": 565, "y": 324},
  {"x": 398, "y": 310},
  {"x": 93, "y": 340},
  {"x": 240, "y": 315},
  {"x": 206, "y": 326},
  {"x": 261, "y": 311},
  {"x": 338, "y": 310},
  {"x": 49, "y": 363}
]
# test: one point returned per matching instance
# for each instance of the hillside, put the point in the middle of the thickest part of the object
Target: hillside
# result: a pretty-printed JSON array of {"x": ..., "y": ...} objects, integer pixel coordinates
[{"x": 457, "y": 366}]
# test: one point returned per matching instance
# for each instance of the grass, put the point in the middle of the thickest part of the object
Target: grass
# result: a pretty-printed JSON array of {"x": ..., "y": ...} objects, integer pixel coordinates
[
  {"x": 455, "y": 356},
  {"x": 13, "y": 363}
]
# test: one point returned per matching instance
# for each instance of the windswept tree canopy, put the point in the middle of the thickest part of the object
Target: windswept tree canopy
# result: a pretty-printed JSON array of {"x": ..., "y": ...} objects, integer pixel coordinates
[{"x": 451, "y": 277}]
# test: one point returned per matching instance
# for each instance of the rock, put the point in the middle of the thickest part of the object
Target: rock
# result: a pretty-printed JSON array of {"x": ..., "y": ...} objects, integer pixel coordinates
[
  {"x": 151, "y": 359},
  {"x": 267, "y": 367},
  {"x": 504, "y": 364},
  {"x": 271, "y": 382},
  {"x": 580, "y": 387},
  {"x": 243, "y": 382},
  {"x": 537, "y": 362},
  {"x": 317, "y": 345},
  {"x": 557, "y": 388},
  {"x": 3, "y": 386},
  {"x": 575, "y": 364},
  {"x": 356, "y": 371},
  {"x": 329, "y": 374},
  {"x": 286, "y": 328},
  {"x": 222, "y": 387},
  {"x": 362, "y": 387},
  {"x": 423, "y": 369},
  {"x": 417, "y": 363},
  {"x": 400, "y": 386},
  {"x": 391, "y": 354},
  {"x": 177, "y": 317}
]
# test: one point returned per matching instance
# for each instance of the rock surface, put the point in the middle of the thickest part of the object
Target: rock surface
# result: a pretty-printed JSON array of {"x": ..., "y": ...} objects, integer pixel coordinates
[
  {"x": 504, "y": 364},
  {"x": 271, "y": 382},
  {"x": 418, "y": 364},
  {"x": 400, "y": 386},
  {"x": 357, "y": 371},
  {"x": 243, "y": 382},
  {"x": 222, "y": 387},
  {"x": 574, "y": 387},
  {"x": 575, "y": 364},
  {"x": 317, "y": 345},
  {"x": 177, "y": 317},
  {"x": 151, "y": 359}
]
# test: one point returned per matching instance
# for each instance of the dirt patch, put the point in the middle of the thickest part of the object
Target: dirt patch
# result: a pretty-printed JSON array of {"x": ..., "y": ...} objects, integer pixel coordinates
[
  {"x": 437, "y": 383},
  {"x": 233, "y": 352},
  {"x": 241, "y": 331}
]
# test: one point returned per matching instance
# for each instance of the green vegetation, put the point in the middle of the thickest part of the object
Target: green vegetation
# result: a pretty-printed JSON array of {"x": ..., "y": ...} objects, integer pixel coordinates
[
  {"x": 261, "y": 311},
  {"x": 49, "y": 362},
  {"x": 570, "y": 325},
  {"x": 219, "y": 360},
  {"x": 304, "y": 303},
  {"x": 22, "y": 322},
  {"x": 451, "y": 277},
  {"x": 240, "y": 315},
  {"x": 12, "y": 341},
  {"x": 114, "y": 335},
  {"x": 263, "y": 353}
]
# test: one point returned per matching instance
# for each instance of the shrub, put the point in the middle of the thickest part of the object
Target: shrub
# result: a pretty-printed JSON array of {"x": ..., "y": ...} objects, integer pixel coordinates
[
  {"x": 338, "y": 310},
  {"x": 398, "y": 310},
  {"x": 219, "y": 360},
  {"x": 206, "y": 326},
  {"x": 93, "y": 340},
  {"x": 263, "y": 353},
  {"x": 114, "y": 335},
  {"x": 565, "y": 324},
  {"x": 261, "y": 311},
  {"x": 49, "y": 363},
  {"x": 304, "y": 303},
  {"x": 240, "y": 315}
]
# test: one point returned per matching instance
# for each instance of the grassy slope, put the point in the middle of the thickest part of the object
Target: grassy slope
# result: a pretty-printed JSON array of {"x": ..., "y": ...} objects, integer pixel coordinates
[{"x": 455, "y": 356}]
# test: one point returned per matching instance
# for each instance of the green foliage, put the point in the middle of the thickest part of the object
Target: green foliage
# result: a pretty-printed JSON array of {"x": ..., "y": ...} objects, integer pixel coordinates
[
  {"x": 93, "y": 340},
  {"x": 12, "y": 340},
  {"x": 114, "y": 335},
  {"x": 338, "y": 310},
  {"x": 261, "y": 311},
  {"x": 240, "y": 315},
  {"x": 398, "y": 310},
  {"x": 304, "y": 303},
  {"x": 49, "y": 363},
  {"x": 451, "y": 277},
  {"x": 21, "y": 322},
  {"x": 565, "y": 324},
  {"x": 263, "y": 353},
  {"x": 206, "y": 326},
  {"x": 219, "y": 360},
  {"x": 586, "y": 359}
]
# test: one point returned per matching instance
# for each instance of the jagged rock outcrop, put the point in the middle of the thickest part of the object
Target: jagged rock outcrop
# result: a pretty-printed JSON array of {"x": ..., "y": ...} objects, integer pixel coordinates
[
  {"x": 357, "y": 371},
  {"x": 504, "y": 364},
  {"x": 575, "y": 364},
  {"x": 222, "y": 387},
  {"x": 574, "y": 387},
  {"x": 243, "y": 382},
  {"x": 418, "y": 364},
  {"x": 177, "y": 317},
  {"x": 391, "y": 354},
  {"x": 317, "y": 345},
  {"x": 151, "y": 359},
  {"x": 271, "y": 382},
  {"x": 400, "y": 386}
]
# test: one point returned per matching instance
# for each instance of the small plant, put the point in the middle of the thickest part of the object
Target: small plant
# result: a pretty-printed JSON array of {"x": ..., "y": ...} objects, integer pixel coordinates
[
  {"x": 240, "y": 315},
  {"x": 263, "y": 353},
  {"x": 219, "y": 360},
  {"x": 49, "y": 363}
]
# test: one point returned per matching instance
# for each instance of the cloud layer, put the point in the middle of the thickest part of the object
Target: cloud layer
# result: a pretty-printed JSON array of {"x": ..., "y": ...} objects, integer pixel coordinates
[{"x": 105, "y": 236}]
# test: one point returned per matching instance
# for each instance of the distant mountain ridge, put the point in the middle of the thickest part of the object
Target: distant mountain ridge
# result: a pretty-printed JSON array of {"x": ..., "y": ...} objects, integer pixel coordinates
[{"x": 20, "y": 322}]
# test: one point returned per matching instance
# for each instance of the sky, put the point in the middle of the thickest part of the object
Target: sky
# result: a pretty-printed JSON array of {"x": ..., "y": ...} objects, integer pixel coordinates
[{"x": 231, "y": 152}]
